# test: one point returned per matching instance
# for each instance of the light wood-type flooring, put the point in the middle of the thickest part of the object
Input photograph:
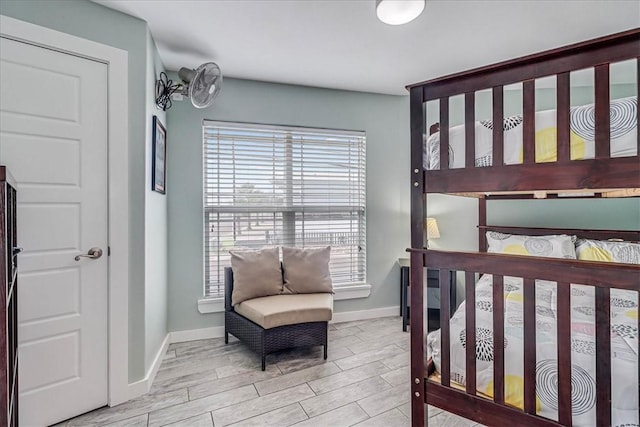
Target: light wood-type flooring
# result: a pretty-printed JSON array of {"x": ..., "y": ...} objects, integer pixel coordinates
[{"x": 364, "y": 382}]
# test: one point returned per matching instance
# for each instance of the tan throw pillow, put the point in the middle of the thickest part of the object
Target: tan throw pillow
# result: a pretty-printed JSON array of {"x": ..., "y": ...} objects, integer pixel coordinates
[
  {"x": 306, "y": 271},
  {"x": 255, "y": 274}
]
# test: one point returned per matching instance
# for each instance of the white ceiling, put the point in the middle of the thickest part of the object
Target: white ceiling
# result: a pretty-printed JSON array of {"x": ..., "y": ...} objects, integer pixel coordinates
[{"x": 341, "y": 44}]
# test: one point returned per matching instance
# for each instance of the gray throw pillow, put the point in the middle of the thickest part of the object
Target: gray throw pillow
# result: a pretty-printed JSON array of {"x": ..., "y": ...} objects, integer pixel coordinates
[
  {"x": 306, "y": 271},
  {"x": 255, "y": 274}
]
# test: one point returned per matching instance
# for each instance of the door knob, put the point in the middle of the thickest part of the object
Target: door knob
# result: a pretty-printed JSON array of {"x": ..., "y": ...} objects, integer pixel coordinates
[{"x": 94, "y": 253}]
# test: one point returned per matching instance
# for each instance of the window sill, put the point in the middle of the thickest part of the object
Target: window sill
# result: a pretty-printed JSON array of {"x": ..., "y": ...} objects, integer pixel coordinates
[
  {"x": 216, "y": 305},
  {"x": 211, "y": 305},
  {"x": 352, "y": 292}
]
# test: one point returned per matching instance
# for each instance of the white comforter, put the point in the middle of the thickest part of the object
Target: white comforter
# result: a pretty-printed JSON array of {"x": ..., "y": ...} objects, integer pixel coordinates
[
  {"x": 624, "y": 348},
  {"x": 623, "y": 137}
]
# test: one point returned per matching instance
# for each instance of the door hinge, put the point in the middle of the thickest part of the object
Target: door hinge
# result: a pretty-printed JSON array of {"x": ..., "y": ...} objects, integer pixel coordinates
[{"x": 108, "y": 250}]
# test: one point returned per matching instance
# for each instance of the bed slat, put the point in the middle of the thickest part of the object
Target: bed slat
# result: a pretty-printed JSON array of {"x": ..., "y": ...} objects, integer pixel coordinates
[
  {"x": 498, "y": 129},
  {"x": 445, "y": 316},
  {"x": 470, "y": 325},
  {"x": 529, "y": 125},
  {"x": 469, "y": 129},
  {"x": 603, "y": 356},
  {"x": 603, "y": 120},
  {"x": 444, "y": 133},
  {"x": 482, "y": 222},
  {"x": 529, "y": 314},
  {"x": 563, "y": 311},
  {"x": 638, "y": 118},
  {"x": 498, "y": 339},
  {"x": 563, "y": 94}
]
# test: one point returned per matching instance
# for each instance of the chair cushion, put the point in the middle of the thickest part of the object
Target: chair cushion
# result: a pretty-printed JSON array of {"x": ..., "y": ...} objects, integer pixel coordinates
[
  {"x": 255, "y": 274},
  {"x": 279, "y": 310},
  {"x": 306, "y": 271}
]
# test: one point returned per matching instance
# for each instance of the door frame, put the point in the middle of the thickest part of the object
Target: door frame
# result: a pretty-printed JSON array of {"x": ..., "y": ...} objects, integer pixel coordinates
[{"x": 117, "y": 181}]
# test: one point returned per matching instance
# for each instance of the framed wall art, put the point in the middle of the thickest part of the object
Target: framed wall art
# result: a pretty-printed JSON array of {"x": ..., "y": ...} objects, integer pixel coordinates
[{"x": 159, "y": 166}]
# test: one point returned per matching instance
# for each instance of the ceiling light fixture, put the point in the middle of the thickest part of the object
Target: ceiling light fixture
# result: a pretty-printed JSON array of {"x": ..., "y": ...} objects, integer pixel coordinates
[{"x": 398, "y": 12}]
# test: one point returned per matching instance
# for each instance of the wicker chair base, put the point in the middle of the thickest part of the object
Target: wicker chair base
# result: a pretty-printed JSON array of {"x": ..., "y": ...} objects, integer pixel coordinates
[{"x": 267, "y": 341}]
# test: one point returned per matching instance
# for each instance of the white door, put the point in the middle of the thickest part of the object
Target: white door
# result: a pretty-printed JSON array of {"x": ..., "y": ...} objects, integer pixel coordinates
[{"x": 53, "y": 138}]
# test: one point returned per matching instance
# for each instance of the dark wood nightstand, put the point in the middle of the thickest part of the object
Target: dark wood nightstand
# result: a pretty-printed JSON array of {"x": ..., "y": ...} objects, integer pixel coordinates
[{"x": 433, "y": 282}]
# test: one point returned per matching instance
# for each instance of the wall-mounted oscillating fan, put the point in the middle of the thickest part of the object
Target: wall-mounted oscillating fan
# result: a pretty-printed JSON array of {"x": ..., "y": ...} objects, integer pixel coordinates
[{"x": 201, "y": 85}]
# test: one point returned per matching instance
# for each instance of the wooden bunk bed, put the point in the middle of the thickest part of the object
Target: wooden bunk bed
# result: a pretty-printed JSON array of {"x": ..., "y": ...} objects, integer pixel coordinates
[{"x": 603, "y": 175}]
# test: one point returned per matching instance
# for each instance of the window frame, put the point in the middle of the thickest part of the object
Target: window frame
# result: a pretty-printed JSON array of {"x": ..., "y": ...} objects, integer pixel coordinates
[{"x": 215, "y": 303}]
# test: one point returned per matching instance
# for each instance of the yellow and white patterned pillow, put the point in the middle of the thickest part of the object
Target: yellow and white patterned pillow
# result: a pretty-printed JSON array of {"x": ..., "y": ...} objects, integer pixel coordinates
[
  {"x": 608, "y": 251},
  {"x": 553, "y": 246}
]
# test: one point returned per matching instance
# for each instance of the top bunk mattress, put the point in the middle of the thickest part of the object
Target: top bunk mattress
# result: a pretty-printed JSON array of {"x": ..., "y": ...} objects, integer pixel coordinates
[{"x": 582, "y": 137}]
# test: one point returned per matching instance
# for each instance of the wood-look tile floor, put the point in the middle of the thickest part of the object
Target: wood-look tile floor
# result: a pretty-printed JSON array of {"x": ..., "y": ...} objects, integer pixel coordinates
[{"x": 364, "y": 382}]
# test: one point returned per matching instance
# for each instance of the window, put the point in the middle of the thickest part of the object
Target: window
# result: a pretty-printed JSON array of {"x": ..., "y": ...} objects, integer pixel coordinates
[{"x": 268, "y": 186}]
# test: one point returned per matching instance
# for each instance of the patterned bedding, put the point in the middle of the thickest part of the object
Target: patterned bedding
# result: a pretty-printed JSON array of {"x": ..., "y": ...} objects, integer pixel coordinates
[
  {"x": 624, "y": 349},
  {"x": 582, "y": 118}
]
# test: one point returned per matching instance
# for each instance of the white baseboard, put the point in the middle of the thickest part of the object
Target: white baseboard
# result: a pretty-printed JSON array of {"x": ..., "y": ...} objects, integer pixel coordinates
[
  {"x": 141, "y": 387},
  {"x": 138, "y": 388},
  {"x": 197, "y": 334},
  {"x": 349, "y": 316}
]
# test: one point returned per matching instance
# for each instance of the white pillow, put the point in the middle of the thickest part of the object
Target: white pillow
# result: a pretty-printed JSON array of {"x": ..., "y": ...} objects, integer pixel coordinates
[
  {"x": 608, "y": 251},
  {"x": 553, "y": 246}
]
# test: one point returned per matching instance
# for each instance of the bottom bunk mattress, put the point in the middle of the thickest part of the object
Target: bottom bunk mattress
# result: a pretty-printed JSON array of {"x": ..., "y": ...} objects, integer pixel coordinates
[{"x": 624, "y": 349}]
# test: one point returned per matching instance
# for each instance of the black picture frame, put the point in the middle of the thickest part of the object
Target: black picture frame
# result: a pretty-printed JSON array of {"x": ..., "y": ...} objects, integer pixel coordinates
[{"x": 159, "y": 166}]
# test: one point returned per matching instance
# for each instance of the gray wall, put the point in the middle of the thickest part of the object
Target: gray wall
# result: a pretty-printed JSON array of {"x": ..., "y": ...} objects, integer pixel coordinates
[
  {"x": 385, "y": 119},
  {"x": 91, "y": 21},
  {"x": 457, "y": 221},
  {"x": 603, "y": 214},
  {"x": 155, "y": 224}
]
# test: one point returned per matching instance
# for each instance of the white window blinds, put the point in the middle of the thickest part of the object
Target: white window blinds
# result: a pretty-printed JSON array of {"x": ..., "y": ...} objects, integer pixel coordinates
[{"x": 268, "y": 186}]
